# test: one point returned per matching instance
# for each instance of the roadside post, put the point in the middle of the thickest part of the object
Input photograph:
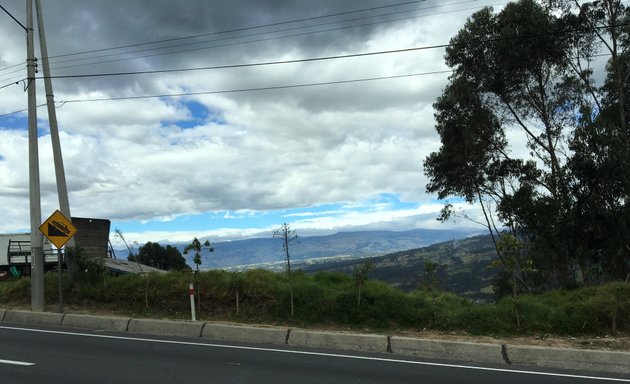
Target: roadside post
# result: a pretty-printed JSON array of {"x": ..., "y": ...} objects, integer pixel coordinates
[
  {"x": 191, "y": 291},
  {"x": 58, "y": 229}
]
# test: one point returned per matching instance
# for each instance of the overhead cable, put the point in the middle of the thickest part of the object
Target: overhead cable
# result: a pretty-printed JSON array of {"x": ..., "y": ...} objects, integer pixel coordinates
[{"x": 255, "y": 89}]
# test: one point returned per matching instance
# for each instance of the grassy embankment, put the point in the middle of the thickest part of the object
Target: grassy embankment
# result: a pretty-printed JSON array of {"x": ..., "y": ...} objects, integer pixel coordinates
[{"x": 330, "y": 299}]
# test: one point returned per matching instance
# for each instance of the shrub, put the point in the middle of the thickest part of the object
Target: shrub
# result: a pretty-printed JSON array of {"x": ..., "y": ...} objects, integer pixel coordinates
[{"x": 331, "y": 298}]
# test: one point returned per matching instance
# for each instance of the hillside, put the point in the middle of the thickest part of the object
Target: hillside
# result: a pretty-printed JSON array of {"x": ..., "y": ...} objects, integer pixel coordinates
[
  {"x": 355, "y": 244},
  {"x": 264, "y": 252},
  {"x": 462, "y": 267}
]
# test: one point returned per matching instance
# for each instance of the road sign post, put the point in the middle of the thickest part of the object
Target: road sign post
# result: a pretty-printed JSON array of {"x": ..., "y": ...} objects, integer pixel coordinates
[
  {"x": 59, "y": 278},
  {"x": 58, "y": 229}
]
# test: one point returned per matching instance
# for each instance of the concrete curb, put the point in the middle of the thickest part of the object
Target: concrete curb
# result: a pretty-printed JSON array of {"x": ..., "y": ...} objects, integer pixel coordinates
[
  {"x": 95, "y": 323},
  {"x": 596, "y": 360},
  {"x": 338, "y": 340},
  {"x": 165, "y": 327},
  {"x": 450, "y": 350},
  {"x": 516, "y": 355},
  {"x": 33, "y": 318},
  {"x": 241, "y": 333}
]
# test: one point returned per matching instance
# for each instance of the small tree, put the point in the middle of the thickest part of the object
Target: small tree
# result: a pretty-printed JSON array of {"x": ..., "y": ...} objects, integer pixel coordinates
[
  {"x": 133, "y": 257},
  {"x": 197, "y": 246},
  {"x": 360, "y": 277},
  {"x": 430, "y": 267},
  {"x": 510, "y": 246},
  {"x": 237, "y": 282},
  {"x": 287, "y": 235}
]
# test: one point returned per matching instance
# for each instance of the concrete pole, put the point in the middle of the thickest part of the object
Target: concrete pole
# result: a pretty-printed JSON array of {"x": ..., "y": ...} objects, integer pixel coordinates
[
  {"x": 62, "y": 190},
  {"x": 37, "y": 256}
]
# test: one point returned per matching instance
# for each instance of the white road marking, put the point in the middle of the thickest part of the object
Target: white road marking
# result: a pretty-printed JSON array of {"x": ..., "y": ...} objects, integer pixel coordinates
[
  {"x": 288, "y": 351},
  {"x": 13, "y": 362}
]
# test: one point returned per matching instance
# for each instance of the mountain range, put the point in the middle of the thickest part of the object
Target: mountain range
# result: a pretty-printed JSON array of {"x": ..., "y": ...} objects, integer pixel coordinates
[{"x": 267, "y": 252}]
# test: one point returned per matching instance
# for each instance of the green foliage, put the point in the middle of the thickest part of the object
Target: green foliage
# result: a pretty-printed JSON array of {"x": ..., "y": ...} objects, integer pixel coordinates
[
  {"x": 155, "y": 255},
  {"x": 523, "y": 68},
  {"x": 89, "y": 268},
  {"x": 197, "y": 246},
  {"x": 326, "y": 298},
  {"x": 18, "y": 292}
]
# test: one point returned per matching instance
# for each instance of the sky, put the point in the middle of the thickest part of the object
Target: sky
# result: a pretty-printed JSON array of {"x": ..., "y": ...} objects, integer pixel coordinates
[{"x": 267, "y": 138}]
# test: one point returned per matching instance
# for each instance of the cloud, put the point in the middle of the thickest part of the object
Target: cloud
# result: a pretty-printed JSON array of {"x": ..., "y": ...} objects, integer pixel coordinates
[{"x": 166, "y": 157}]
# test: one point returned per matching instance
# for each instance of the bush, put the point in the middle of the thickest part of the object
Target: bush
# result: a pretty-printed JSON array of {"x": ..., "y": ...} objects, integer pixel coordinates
[{"x": 331, "y": 298}]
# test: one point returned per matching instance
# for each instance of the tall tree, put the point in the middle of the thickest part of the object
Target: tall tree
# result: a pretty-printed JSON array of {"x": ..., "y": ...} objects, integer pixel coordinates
[
  {"x": 287, "y": 235},
  {"x": 525, "y": 72},
  {"x": 198, "y": 247}
]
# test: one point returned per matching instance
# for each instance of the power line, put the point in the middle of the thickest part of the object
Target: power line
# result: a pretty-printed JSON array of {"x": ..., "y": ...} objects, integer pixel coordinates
[
  {"x": 271, "y": 88},
  {"x": 251, "y": 35},
  {"x": 312, "y": 59},
  {"x": 212, "y": 47},
  {"x": 12, "y": 66},
  {"x": 10, "y": 84},
  {"x": 239, "y": 29},
  {"x": 258, "y": 89},
  {"x": 324, "y": 58},
  {"x": 263, "y": 33},
  {"x": 14, "y": 19},
  {"x": 12, "y": 78},
  {"x": 217, "y": 33}
]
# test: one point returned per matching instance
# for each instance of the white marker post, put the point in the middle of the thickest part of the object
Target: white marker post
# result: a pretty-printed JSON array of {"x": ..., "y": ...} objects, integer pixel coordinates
[{"x": 191, "y": 290}]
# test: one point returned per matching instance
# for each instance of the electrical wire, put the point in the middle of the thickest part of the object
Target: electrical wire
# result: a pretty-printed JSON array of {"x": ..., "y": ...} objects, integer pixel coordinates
[
  {"x": 231, "y": 66},
  {"x": 10, "y": 84},
  {"x": 227, "y": 31},
  {"x": 255, "y": 89},
  {"x": 314, "y": 59},
  {"x": 240, "y": 29},
  {"x": 12, "y": 66},
  {"x": 266, "y": 33},
  {"x": 257, "y": 34}
]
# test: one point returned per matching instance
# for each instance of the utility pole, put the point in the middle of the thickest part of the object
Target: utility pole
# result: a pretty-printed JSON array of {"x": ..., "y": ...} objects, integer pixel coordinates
[
  {"x": 62, "y": 190},
  {"x": 37, "y": 255}
]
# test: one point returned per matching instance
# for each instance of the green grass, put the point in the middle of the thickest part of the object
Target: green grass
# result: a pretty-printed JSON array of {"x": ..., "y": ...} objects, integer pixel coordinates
[{"x": 331, "y": 299}]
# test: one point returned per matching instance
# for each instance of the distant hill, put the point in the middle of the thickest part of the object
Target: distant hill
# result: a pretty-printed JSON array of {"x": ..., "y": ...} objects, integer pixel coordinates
[
  {"x": 353, "y": 244},
  {"x": 462, "y": 267},
  {"x": 264, "y": 252}
]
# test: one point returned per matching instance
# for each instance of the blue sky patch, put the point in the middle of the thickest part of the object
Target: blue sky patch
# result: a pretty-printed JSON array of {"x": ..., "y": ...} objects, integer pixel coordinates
[
  {"x": 200, "y": 115},
  {"x": 16, "y": 121},
  {"x": 262, "y": 219}
]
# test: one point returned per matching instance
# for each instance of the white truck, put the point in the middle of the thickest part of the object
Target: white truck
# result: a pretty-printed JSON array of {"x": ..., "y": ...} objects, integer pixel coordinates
[{"x": 15, "y": 254}]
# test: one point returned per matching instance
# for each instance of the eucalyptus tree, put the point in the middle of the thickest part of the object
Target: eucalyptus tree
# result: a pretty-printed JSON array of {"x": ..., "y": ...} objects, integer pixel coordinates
[
  {"x": 521, "y": 122},
  {"x": 198, "y": 247}
]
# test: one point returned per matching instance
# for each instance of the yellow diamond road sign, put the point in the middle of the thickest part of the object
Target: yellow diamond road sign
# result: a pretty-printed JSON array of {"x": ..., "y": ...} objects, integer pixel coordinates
[{"x": 58, "y": 229}]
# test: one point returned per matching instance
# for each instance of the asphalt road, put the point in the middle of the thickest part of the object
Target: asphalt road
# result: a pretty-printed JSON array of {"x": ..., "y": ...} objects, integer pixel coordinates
[{"x": 29, "y": 355}]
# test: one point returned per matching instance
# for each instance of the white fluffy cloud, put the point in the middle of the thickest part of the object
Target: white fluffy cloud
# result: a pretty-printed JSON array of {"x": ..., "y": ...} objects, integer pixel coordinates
[{"x": 147, "y": 159}]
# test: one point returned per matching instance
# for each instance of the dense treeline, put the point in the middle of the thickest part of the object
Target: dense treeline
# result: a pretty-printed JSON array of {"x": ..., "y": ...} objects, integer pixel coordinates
[
  {"x": 331, "y": 299},
  {"x": 155, "y": 255},
  {"x": 534, "y": 125}
]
